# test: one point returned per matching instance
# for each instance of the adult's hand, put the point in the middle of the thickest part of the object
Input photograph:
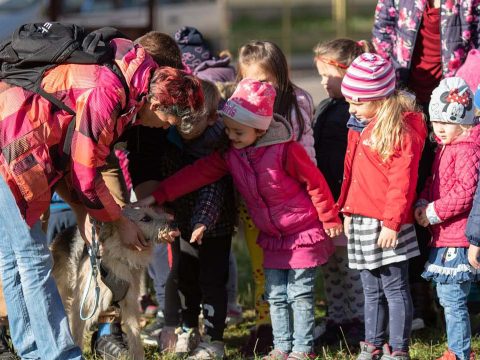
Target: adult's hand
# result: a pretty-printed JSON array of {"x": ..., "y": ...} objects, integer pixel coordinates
[{"x": 130, "y": 234}]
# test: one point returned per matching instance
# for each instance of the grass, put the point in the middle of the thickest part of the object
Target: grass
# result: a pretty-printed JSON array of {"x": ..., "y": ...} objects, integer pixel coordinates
[{"x": 426, "y": 344}]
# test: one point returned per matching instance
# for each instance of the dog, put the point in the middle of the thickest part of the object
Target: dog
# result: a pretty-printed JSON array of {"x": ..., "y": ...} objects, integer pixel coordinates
[{"x": 124, "y": 266}]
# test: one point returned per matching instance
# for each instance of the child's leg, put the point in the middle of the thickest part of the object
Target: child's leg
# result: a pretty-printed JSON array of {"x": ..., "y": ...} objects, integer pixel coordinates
[
  {"x": 395, "y": 286},
  {"x": 375, "y": 307},
  {"x": 214, "y": 262},
  {"x": 256, "y": 257},
  {"x": 276, "y": 291},
  {"x": 300, "y": 290},
  {"x": 337, "y": 297},
  {"x": 453, "y": 298}
]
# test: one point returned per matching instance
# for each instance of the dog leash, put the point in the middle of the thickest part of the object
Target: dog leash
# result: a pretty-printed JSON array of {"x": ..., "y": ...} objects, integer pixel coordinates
[{"x": 93, "y": 253}]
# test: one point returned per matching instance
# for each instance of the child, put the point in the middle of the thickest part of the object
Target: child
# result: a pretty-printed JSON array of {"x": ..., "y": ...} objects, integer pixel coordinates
[
  {"x": 444, "y": 205},
  {"x": 385, "y": 142},
  {"x": 205, "y": 219},
  {"x": 343, "y": 287},
  {"x": 265, "y": 61},
  {"x": 288, "y": 199}
]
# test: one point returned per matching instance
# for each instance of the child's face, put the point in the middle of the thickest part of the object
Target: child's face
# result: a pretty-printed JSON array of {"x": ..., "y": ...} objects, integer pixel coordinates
[
  {"x": 240, "y": 135},
  {"x": 199, "y": 127},
  {"x": 256, "y": 72},
  {"x": 446, "y": 132},
  {"x": 331, "y": 79},
  {"x": 363, "y": 111}
]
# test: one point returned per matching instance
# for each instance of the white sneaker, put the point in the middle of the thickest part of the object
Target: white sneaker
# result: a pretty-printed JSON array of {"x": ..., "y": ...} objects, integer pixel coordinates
[
  {"x": 186, "y": 340},
  {"x": 208, "y": 350},
  {"x": 418, "y": 324}
]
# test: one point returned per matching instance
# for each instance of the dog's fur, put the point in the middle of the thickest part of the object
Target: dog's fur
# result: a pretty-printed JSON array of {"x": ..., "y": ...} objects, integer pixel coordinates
[{"x": 72, "y": 269}]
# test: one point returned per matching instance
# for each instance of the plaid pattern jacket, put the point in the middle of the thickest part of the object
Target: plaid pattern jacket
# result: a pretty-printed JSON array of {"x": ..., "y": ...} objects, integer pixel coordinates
[{"x": 32, "y": 133}]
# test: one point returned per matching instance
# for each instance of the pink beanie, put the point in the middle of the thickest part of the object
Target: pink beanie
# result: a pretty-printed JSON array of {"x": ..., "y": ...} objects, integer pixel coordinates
[
  {"x": 369, "y": 77},
  {"x": 470, "y": 70},
  {"x": 251, "y": 104}
]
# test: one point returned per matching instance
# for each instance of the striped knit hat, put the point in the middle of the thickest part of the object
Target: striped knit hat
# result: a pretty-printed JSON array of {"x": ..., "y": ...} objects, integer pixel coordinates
[
  {"x": 251, "y": 104},
  {"x": 369, "y": 77}
]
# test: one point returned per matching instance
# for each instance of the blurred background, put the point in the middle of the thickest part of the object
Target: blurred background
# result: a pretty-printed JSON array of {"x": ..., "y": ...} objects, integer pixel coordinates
[{"x": 295, "y": 25}]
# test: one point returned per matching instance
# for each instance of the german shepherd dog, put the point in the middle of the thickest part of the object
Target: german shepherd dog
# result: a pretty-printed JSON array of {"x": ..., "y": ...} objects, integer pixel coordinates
[{"x": 72, "y": 272}]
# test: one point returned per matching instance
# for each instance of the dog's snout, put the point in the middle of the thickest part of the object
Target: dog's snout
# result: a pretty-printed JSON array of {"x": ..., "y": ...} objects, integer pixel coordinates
[{"x": 146, "y": 218}]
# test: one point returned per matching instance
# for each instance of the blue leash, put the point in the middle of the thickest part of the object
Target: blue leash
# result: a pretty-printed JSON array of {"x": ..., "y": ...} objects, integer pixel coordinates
[{"x": 93, "y": 253}]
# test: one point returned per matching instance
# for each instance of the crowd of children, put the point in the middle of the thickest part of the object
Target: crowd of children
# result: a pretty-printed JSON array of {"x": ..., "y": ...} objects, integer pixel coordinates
[{"x": 297, "y": 172}]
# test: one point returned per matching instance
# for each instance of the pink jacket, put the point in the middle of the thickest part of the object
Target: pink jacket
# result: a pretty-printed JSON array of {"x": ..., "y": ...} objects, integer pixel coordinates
[
  {"x": 285, "y": 193},
  {"x": 451, "y": 188}
]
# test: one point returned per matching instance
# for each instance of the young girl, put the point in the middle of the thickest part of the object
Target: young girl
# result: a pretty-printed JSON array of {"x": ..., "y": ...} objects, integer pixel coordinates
[
  {"x": 343, "y": 287},
  {"x": 288, "y": 199},
  {"x": 385, "y": 142},
  {"x": 265, "y": 61},
  {"x": 444, "y": 205}
]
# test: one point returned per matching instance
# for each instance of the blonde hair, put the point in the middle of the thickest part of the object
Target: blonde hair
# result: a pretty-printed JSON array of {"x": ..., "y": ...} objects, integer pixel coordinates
[
  {"x": 342, "y": 51},
  {"x": 389, "y": 129}
]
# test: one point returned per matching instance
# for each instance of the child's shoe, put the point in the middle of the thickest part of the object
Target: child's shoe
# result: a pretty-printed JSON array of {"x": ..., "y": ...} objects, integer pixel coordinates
[
  {"x": 234, "y": 314},
  {"x": 187, "y": 340},
  {"x": 395, "y": 355},
  {"x": 368, "y": 352},
  {"x": 295, "y": 355},
  {"x": 208, "y": 350},
  {"x": 276, "y": 354},
  {"x": 168, "y": 339},
  {"x": 450, "y": 355}
]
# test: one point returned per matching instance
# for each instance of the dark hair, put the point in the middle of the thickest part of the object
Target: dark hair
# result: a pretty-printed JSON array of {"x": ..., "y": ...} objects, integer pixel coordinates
[
  {"x": 342, "y": 51},
  {"x": 162, "y": 48},
  {"x": 271, "y": 58},
  {"x": 178, "y": 93}
]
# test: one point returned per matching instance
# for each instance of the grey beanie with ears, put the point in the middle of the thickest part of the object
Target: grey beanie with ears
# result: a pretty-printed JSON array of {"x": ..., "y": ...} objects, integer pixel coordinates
[{"x": 452, "y": 102}]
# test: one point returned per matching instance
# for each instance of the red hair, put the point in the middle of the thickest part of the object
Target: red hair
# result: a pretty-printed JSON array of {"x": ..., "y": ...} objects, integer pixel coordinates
[{"x": 173, "y": 87}]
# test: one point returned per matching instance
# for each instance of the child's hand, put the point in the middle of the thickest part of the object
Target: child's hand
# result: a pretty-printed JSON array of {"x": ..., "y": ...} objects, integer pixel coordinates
[
  {"x": 148, "y": 201},
  {"x": 387, "y": 238},
  {"x": 420, "y": 214},
  {"x": 197, "y": 233},
  {"x": 473, "y": 254},
  {"x": 346, "y": 225},
  {"x": 334, "y": 231}
]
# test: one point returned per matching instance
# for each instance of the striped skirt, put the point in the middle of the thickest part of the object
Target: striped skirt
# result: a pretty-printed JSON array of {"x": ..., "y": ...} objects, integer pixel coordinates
[{"x": 363, "y": 251}]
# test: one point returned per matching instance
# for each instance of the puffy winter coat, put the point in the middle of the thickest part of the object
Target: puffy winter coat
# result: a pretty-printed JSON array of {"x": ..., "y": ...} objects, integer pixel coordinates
[
  {"x": 451, "y": 189},
  {"x": 383, "y": 190},
  {"x": 396, "y": 28},
  {"x": 32, "y": 133}
]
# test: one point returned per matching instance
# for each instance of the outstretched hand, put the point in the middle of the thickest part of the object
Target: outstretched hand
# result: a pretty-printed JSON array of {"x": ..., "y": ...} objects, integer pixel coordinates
[
  {"x": 197, "y": 233},
  {"x": 131, "y": 235}
]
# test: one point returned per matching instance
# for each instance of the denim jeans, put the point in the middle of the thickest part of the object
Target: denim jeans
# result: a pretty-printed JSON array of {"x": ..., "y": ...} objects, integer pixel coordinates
[
  {"x": 158, "y": 270},
  {"x": 290, "y": 293},
  {"x": 453, "y": 298},
  {"x": 38, "y": 323},
  {"x": 388, "y": 301}
]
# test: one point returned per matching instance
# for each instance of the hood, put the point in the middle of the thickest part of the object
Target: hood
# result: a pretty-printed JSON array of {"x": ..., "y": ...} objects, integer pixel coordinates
[
  {"x": 279, "y": 131},
  {"x": 212, "y": 63}
]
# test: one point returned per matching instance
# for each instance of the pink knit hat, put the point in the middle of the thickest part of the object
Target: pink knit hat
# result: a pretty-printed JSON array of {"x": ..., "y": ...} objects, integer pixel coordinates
[
  {"x": 469, "y": 71},
  {"x": 251, "y": 104},
  {"x": 369, "y": 77}
]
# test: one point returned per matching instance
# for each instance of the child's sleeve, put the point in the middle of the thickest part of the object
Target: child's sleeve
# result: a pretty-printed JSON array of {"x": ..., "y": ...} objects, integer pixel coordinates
[
  {"x": 460, "y": 198},
  {"x": 473, "y": 225},
  {"x": 202, "y": 172},
  {"x": 299, "y": 166},
  {"x": 209, "y": 203}
]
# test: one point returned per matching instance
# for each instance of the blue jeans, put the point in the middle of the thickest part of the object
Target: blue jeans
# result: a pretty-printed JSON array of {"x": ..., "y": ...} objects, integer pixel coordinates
[
  {"x": 158, "y": 270},
  {"x": 388, "y": 301},
  {"x": 291, "y": 292},
  {"x": 453, "y": 298},
  {"x": 38, "y": 324}
]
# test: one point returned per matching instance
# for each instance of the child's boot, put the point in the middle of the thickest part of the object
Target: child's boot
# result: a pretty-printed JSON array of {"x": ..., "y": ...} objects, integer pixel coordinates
[{"x": 368, "y": 352}]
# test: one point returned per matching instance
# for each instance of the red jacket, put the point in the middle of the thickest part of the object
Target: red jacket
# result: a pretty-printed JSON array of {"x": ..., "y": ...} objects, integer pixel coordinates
[
  {"x": 451, "y": 189},
  {"x": 383, "y": 190}
]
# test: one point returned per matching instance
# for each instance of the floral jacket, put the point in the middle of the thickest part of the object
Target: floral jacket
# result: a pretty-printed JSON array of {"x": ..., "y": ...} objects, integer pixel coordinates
[{"x": 397, "y": 23}]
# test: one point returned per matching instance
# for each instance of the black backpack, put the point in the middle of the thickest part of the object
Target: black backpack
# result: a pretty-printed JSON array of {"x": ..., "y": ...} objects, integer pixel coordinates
[{"x": 35, "y": 48}]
